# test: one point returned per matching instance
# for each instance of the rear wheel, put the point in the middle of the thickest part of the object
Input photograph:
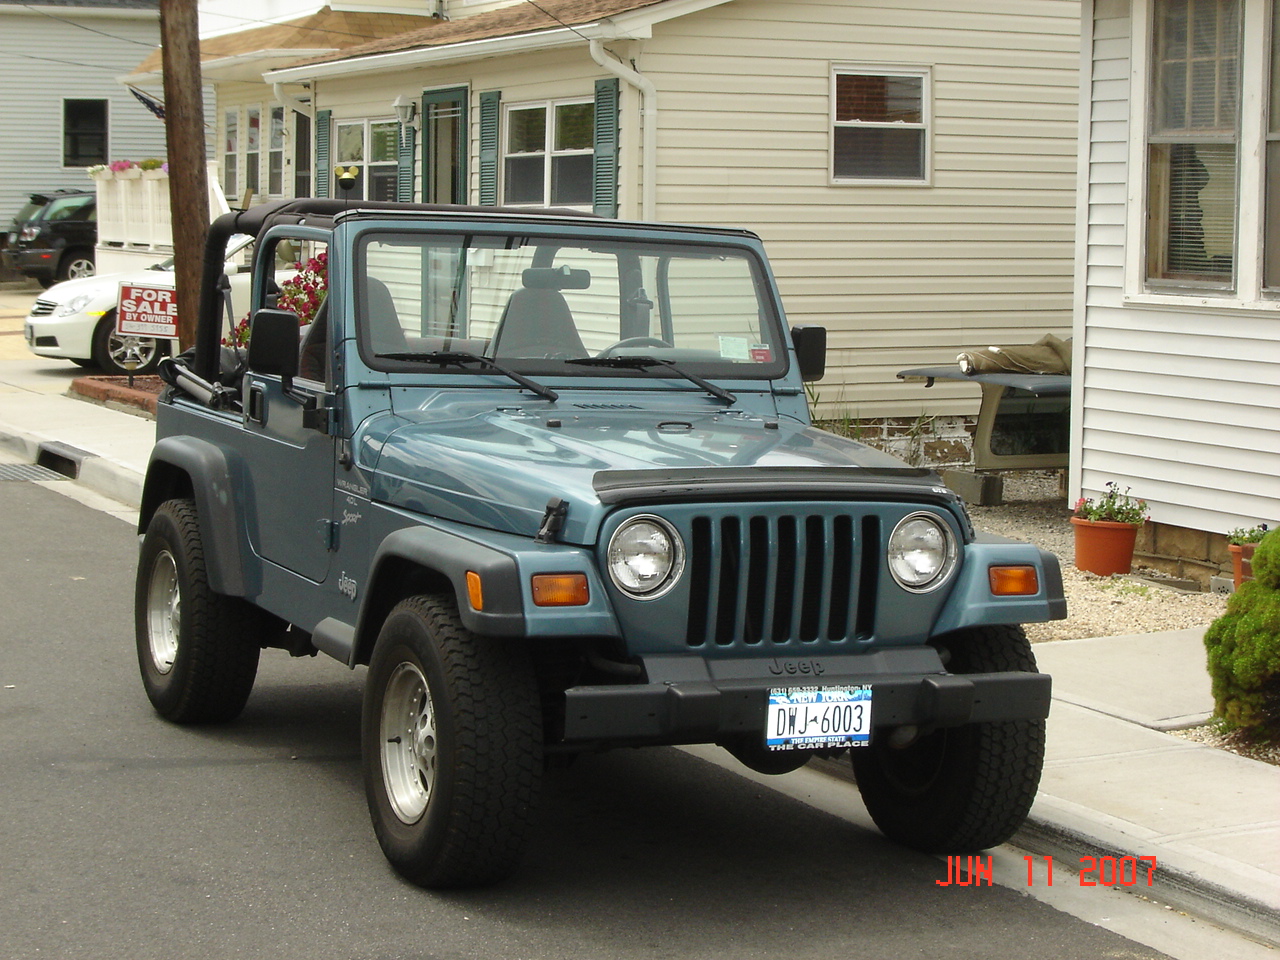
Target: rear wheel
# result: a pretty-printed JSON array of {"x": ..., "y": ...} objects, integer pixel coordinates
[
  {"x": 76, "y": 264},
  {"x": 451, "y": 743},
  {"x": 197, "y": 649},
  {"x": 114, "y": 353},
  {"x": 959, "y": 789}
]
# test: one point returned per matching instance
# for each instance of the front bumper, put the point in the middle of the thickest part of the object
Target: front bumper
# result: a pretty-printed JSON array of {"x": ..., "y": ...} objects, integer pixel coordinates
[{"x": 688, "y": 700}]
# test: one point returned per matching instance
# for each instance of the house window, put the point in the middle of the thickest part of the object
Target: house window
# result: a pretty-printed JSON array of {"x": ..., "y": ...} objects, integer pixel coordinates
[
  {"x": 1271, "y": 241},
  {"x": 230, "y": 152},
  {"x": 370, "y": 147},
  {"x": 548, "y": 151},
  {"x": 252, "y": 149},
  {"x": 84, "y": 132},
  {"x": 880, "y": 125},
  {"x": 275, "y": 153},
  {"x": 1193, "y": 141}
]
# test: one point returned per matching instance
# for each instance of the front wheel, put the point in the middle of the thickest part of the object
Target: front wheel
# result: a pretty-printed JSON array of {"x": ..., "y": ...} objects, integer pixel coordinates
[
  {"x": 120, "y": 355},
  {"x": 451, "y": 747},
  {"x": 959, "y": 789},
  {"x": 197, "y": 649}
]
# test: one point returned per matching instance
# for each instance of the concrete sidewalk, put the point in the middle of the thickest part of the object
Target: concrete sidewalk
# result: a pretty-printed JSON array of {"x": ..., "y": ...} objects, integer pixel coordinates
[{"x": 1115, "y": 784}]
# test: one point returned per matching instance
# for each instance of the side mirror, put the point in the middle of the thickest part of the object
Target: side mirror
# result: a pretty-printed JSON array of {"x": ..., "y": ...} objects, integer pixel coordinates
[
  {"x": 273, "y": 343},
  {"x": 810, "y": 344}
]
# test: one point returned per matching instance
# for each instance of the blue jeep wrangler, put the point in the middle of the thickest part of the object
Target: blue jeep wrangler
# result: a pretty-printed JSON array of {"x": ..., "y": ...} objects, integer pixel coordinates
[{"x": 552, "y": 479}]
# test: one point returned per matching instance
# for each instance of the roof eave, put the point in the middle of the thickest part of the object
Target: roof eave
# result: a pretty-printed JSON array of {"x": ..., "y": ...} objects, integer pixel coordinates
[
  {"x": 453, "y": 52},
  {"x": 636, "y": 25}
]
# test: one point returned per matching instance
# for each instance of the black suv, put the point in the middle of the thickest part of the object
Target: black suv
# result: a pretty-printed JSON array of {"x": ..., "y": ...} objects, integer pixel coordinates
[{"x": 53, "y": 236}]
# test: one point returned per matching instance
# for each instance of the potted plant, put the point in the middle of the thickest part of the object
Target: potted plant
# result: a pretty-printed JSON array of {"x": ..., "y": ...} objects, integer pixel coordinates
[
  {"x": 1241, "y": 543},
  {"x": 1106, "y": 529},
  {"x": 153, "y": 169}
]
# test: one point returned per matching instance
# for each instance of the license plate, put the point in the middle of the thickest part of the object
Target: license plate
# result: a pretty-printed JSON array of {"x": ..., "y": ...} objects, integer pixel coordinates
[{"x": 814, "y": 718}]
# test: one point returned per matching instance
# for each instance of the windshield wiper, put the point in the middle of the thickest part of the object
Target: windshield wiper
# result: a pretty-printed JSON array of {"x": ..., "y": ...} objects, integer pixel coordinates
[
  {"x": 457, "y": 358},
  {"x": 644, "y": 363}
]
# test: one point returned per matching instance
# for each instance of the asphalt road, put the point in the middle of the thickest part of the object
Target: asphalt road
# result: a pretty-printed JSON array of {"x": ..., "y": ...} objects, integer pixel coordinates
[{"x": 126, "y": 837}]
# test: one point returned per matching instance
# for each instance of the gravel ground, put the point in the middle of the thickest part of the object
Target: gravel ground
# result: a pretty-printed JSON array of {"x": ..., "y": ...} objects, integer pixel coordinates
[
  {"x": 1104, "y": 606},
  {"x": 1096, "y": 606}
]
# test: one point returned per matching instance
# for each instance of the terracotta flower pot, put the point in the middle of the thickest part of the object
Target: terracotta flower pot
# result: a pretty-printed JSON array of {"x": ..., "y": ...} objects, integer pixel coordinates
[
  {"x": 1104, "y": 547},
  {"x": 1241, "y": 561}
]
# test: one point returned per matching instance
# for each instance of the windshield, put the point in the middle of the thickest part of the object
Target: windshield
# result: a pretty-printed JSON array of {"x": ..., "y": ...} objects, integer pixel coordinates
[{"x": 537, "y": 303}]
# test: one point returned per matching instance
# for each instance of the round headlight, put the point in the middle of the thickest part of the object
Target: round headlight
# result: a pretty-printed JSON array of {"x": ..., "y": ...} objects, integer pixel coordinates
[
  {"x": 75, "y": 305},
  {"x": 922, "y": 552},
  {"x": 645, "y": 557}
]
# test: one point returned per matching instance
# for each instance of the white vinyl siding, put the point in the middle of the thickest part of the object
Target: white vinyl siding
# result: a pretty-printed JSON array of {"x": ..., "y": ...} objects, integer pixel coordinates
[
  {"x": 1179, "y": 403},
  {"x": 33, "y": 89},
  {"x": 901, "y": 275}
]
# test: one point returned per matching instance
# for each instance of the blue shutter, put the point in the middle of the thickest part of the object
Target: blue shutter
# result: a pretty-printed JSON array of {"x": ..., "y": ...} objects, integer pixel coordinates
[
  {"x": 404, "y": 171},
  {"x": 489, "y": 117},
  {"x": 604, "y": 180},
  {"x": 324, "y": 173}
]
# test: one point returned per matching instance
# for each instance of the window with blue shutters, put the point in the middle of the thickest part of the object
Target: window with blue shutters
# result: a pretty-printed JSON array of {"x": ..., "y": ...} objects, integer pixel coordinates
[{"x": 561, "y": 153}]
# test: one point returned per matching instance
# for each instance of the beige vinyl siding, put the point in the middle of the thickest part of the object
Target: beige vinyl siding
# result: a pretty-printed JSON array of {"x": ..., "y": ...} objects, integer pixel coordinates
[
  {"x": 43, "y": 61},
  {"x": 901, "y": 276},
  {"x": 1181, "y": 404}
]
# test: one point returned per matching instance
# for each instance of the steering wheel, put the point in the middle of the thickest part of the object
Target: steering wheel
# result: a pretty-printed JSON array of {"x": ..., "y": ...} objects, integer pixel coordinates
[{"x": 632, "y": 342}]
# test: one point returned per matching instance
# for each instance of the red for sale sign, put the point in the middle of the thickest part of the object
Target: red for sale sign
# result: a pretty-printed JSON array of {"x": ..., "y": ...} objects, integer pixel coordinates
[{"x": 147, "y": 311}]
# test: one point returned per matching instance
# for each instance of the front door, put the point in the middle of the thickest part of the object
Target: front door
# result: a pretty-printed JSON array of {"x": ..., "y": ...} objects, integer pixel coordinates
[{"x": 444, "y": 146}]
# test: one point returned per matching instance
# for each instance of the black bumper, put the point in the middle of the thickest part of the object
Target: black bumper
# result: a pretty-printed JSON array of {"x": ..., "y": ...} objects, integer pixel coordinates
[{"x": 723, "y": 705}]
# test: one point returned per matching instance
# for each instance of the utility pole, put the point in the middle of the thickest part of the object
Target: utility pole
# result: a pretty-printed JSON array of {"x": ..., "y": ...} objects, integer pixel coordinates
[{"x": 184, "y": 130}]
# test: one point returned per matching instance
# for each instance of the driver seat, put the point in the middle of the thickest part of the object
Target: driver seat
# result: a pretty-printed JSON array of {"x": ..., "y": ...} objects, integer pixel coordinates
[{"x": 537, "y": 322}]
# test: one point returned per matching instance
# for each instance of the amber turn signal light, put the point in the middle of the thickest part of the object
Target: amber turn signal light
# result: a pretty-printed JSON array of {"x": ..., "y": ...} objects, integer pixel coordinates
[
  {"x": 559, "y": 589},
  {"x": 475, "y": 590},
  {"x": 1020, "y": 581}
]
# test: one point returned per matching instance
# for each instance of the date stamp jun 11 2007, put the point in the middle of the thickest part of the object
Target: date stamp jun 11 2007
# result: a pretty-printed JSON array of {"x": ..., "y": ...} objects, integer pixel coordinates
[{"x": 971, "y": 871}]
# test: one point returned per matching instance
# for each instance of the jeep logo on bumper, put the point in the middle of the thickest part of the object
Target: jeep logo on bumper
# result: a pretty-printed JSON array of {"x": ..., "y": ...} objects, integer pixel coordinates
[{"x": 792, "y": 667}]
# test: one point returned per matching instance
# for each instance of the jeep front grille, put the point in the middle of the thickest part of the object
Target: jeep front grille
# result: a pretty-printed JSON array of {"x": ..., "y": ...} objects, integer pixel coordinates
[{"x": 782, "y": 579}]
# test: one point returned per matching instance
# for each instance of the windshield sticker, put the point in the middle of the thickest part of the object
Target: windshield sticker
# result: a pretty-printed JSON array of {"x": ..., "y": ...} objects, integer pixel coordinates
[
  {"x": 734, "y": 348},
  {"x": 761, "y": 353}
]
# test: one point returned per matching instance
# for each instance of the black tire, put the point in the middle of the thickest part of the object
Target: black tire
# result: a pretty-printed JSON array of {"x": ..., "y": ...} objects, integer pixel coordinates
[
  {"x": 451, "y": 744},
  {"x": 112, "y": 352},
  {"x": 76, "y": 264},
  {"x": 959, "y": 789},
  {"x": 197, "y": 650}
]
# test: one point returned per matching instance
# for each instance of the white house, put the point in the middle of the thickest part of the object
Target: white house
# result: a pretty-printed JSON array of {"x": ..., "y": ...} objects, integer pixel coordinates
[
  {"x": 1177, "y": 301},
  {"x": 62, "y": 108}
]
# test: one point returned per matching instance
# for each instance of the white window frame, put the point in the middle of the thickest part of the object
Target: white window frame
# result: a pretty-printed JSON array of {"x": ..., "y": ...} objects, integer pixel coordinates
[
  {"x": 231, "y": 160},
  {"x": 925, "y": 75},
  {"x": 106, "y": 132},
  {"x": 1248, "y": 292},
  {"x": 366, "y": 164},
  {"x": 548, "y": 152}
]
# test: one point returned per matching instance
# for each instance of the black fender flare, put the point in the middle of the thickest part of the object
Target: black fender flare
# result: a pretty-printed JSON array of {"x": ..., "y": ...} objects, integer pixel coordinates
[
  {"x": 449, "y": 556},
  {"x": 182, "y": 466}
]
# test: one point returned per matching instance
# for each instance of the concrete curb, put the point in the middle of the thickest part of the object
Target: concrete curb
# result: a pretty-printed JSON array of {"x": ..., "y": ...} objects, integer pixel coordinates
[{"x": 1173, "y": 883}]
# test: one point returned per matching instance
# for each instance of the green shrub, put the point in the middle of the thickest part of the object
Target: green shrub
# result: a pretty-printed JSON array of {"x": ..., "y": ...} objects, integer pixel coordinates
[{"x": 1244, "y": 649}]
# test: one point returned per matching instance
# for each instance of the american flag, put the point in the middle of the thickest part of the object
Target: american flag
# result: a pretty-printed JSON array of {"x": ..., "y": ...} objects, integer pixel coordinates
[{"x": 151, "y": 103}]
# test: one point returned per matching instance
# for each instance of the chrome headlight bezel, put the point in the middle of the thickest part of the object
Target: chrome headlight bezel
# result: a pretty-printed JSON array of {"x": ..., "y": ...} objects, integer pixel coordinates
[
  {"x": 616, "y": 560},
  {"x": 914, "y": 577}
]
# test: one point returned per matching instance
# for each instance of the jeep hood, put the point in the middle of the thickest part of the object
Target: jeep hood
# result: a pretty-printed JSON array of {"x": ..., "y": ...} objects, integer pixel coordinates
[{"x": 499, "y": 468}]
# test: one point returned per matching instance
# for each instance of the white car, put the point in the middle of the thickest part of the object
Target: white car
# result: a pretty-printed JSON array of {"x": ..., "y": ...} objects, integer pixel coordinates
[{"x": 76, "y": 320}]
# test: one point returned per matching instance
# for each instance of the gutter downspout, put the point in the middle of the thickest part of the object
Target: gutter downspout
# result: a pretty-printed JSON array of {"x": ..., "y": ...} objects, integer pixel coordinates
[
  {"x": 649, "y": 118},
  {"x": 289, "y": 100}
]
